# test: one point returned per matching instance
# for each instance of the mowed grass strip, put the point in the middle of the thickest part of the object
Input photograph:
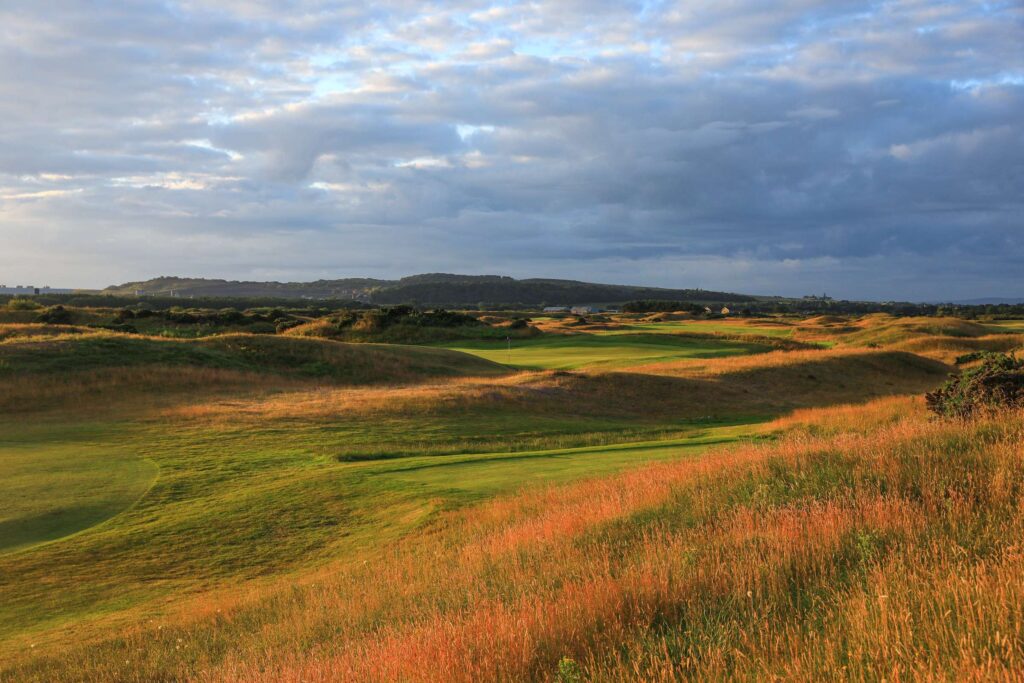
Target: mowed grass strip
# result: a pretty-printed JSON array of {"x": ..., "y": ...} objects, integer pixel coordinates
[{"x": 572, "y": 351}]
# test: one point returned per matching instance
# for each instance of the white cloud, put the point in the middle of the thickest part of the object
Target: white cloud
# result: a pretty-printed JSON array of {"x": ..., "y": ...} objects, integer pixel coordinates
[{"x": 593, "y": 138}]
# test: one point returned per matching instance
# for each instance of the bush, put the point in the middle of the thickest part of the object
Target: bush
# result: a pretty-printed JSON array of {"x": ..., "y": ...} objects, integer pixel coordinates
[
  {"x": 55, "y": 315},
  {"x": 23, "y": 305},
  {"x": 996, "y": 384},
  {"x": 569, "y": 671}
]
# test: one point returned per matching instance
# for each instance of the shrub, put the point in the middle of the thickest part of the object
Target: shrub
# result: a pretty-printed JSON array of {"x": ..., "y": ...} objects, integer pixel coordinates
[
  {"x": 55, "y": 315},
  {"x": 569, "y": 671},
  {"x": 996, "y": 384},
  {"x": 23, "y": 305}
]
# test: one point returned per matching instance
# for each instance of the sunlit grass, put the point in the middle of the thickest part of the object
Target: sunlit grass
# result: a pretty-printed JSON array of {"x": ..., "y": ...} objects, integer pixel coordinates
[
  {"x": 887, "y": 547},
  {"x": 674, "y": 509},
  {"x": 600, "y": 350}
]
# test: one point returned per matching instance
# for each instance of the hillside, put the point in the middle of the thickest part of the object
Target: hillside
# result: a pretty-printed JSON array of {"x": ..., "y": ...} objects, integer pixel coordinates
[{"x": 432, "y": 289}]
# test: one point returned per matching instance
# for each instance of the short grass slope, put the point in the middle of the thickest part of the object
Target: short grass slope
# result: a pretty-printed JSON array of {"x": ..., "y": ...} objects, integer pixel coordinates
[
  {"x": 571, "y": 351},
  {"x": 53, "y": 492}
]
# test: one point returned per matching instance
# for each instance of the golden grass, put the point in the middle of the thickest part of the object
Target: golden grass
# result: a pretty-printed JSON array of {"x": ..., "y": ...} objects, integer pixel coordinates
[
  {"x": 735, "y": 364},
  {"x": 758, "y": 384},
  {"x": 725, "y": 597},
  {"x": 17, "y": 332},
  {"x": 889, "y": 551},
  {"x": 947, "y": 349}
]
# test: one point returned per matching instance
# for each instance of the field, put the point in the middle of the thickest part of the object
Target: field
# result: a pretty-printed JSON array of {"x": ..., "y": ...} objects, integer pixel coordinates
[
  {"x": 750, "y": 500},
  {"x": 566, "y": 352}
]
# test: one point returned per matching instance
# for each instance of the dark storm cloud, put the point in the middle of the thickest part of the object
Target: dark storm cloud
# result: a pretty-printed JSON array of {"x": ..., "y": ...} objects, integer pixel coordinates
[{"x": 781, "y": 147}]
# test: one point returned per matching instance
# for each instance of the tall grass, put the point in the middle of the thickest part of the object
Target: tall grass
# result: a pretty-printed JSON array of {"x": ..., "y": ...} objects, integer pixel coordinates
[{"x": 888, "y": 549}]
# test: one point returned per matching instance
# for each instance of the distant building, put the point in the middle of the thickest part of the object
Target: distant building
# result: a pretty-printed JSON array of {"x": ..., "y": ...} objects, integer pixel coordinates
[
  {"x": 29, "y": 290},
  {"x": 725, "y": 310},
  {"x": 582, "y": 310},
  {"x": 556, "y": 309}
]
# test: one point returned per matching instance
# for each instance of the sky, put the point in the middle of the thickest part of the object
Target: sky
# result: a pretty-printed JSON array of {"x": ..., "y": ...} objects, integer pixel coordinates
[{"x": 868, "y": 150}]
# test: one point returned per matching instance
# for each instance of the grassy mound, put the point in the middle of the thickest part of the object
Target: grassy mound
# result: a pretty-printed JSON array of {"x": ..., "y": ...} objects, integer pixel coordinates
[
  {"x": 407, "y": 325},
  {"x": 559, "y": 409},
  {"x": 22, "y": 331},
  {"x": 882, "y": 330},
  {"x": 351, "y": 363},
  {"x": 948, "y": 349},
  {"x": 104, "y": 372}
]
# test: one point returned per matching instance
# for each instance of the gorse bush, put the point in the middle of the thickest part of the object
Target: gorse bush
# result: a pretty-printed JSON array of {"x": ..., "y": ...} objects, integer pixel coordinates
[
  {"x": 23, "y": 305},
  {"x": 996, "y": 384},
  {"x": 55, "y": 315},
  {"x": 381, "y": 319}
]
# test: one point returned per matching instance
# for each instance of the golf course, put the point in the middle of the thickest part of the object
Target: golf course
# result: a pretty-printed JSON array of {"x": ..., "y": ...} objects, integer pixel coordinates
[{"x": 270, "y": 507}]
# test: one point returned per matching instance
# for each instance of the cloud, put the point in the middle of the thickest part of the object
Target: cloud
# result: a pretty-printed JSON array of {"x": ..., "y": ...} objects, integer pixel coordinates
[{"x": 871, "y": 149}]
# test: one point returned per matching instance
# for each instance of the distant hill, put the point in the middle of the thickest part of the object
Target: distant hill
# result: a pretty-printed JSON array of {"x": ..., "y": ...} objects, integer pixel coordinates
[
  {"x": 349, "y": 288},
  {"x": 431, "y": 289}
]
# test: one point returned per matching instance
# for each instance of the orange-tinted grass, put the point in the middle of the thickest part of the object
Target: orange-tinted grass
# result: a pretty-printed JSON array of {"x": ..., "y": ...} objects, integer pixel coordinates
[{"x": 855, "y": 555}]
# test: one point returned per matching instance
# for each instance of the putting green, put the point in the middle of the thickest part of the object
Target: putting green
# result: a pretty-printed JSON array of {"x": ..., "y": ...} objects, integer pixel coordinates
[
  {"x": 566, "y": 352},
  {"x": 59, "y": 490}
]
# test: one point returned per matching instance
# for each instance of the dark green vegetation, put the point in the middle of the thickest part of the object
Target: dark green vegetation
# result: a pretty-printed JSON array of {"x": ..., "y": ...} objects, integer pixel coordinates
[
  {"x": 995, "y": 384},
  {"x": 434, "y": 289},
  {"x": 408, "y": 325}
]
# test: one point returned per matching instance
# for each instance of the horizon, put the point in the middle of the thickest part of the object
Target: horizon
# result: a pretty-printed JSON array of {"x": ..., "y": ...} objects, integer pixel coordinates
[
  {"x": 868, "y": 151},
  {"x": 980, "y": 300}
]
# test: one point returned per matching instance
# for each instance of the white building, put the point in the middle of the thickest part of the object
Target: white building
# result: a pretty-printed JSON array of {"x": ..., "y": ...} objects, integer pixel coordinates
[
  {"x": 556, "y": 309},
  {"x": 29, "y": 290}
]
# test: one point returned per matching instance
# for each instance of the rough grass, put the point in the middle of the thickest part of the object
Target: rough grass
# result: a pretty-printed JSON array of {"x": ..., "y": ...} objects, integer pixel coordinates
[
  {"x": 399, "y": 333},
  {"x": 270, "y": 548},
  {"x": 558, "y": 409},
  {"x": 879, "y": 329},
  {"x": 886, "y": 548},
  {"x": 362, "y": 363},
  {"x": 119, "y": 369},
  {"x": 20, "y": 331},
  {"x": 948, "y": 349}
]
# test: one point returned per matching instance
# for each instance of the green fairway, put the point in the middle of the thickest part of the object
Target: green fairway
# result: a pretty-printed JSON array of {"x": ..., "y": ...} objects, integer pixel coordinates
[
  {"x": 60, "y": 489},
  {"x": 566, "y": 352}
]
